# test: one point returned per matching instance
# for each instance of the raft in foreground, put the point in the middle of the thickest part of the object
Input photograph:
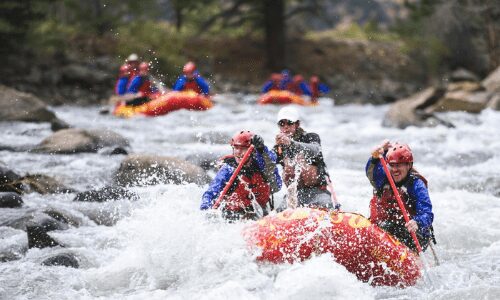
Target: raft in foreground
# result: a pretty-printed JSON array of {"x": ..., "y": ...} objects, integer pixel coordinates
[
  {"x": 164, "y": 104},
  {"x": 361, "y": 247}
]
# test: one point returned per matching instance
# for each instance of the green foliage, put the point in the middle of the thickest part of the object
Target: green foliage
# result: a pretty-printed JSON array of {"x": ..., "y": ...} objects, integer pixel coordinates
[{"x": 356, "y": 32}]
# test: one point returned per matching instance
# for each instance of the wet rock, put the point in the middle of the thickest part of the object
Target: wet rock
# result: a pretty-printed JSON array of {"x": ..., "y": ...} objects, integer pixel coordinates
[
  {"x": 36, "y": 219},
  {"x": 461, "y": 101},
  {"x": 63, "y": 259},
  {"x": 38, "y": 238},
  {"x": 63, "y": 216},
  {"x": 108, "y": 193},
  {"x": 411, "y": 111},
  {"x": 495, "y": 102},
  {"x": 466, "y": 86},
  {"x": 19, "y": 106},
  {"x": 492, "y": 82},
  {"x": 463, "y": 75},
  {"x": 150, "y": 170},
  {"x": 7, "y": 175},
  {"x": 73, "y": 140},
  {"x": 10, "y": 200},
  {"x": 42, "y": 184},
  {"x": 58, "y": 124}
]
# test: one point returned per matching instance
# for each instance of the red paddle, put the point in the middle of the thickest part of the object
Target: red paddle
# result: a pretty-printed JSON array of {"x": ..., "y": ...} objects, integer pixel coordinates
[{"x": 233, "y": 177}]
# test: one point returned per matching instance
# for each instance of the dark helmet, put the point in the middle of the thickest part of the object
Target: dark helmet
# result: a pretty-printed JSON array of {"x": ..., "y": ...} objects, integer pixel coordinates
[
  {"x": 399, "y": 153},
  {"x": 189, "y": 68},
  {"x": 242, "y": 139}
]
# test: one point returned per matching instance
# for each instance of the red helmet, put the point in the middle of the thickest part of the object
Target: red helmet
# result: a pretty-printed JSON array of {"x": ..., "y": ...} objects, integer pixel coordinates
[
  {"x": 124, "y": 70},
  {"x": 275, "y": 77},
  {"x": 189, "y": 68},
  {"x": 298, "y": 78},
  {"x": 399, "y": 153},
  {"x": 242, "y": 139},
  {"x": 314, "y": 79},
  {"x": 144, "y": 67}
]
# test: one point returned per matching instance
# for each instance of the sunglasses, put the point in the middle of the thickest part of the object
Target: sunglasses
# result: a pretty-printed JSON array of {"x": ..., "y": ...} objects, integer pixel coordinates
[{"x": 282, "y": 123}]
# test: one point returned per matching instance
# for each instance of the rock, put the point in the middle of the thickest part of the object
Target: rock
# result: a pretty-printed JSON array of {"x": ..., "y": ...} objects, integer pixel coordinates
[
  {"x": 463, "y": 75},
  {"x": 410, "y": 111},
  {"x": 35, "y": 218},
  {"x": 108, "y": 193},
  {"x": 494, "y": 102},
  {"x": 57, "y": 124},
  {"x": 150, "y": 170},
  {"x": 19, "y": 106},
  {"x": 42, "y": 184},
  {"x": 461, "y": 101},
  {"x": 64, "y": 259},
  {"x": 73, "y": 140},
  {"x": 38, "y": 238},
  {"x": 63, "y": 216},
  {"x": 7, "y": 175},
  {"x": 76, "y": 73},
  {"x": 466, "y": 86},
  {"x": 10, "y": 200},
  {"x": 492, "y": 82}
]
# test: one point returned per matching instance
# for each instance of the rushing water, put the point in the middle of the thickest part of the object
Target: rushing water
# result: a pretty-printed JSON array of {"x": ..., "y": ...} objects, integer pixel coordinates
[{"x": 163, "y": 247}]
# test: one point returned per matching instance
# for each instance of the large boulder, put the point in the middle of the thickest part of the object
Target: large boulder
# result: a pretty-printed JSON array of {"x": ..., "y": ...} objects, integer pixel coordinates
[
  {"x": 19, "y": 106},
  {"x": 107, "y": 193},
  {"x": 62, "y": 260},
  {"x": 150, "y": 170},
  {"x": 75, "y": 140},
  {"x": 411, "y": 111},
  {"x": 473, "y": 102},
  {"x": 492, "y": 82}
]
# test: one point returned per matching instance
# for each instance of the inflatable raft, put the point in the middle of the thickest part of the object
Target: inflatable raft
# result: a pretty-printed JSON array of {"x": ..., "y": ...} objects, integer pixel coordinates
[
  {"x": 361, "y": 247},
  {"x": 281, "y": 97},
  {"x": 165, "y": 103}
]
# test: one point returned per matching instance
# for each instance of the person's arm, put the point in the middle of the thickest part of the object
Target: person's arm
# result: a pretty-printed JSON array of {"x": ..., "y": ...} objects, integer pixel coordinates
[
  {"x": 135, "y": 84},
  {"x": 311, "y": 148},
  {"x": 205, "y": 88},
  {"x": 423, "y": 210},
  {"x": 121, "y": 86},
  {"x": 267, "y": 86},
  {"x": 266, "y": 160},
  {"x": 305, "y": 89},
  {"x": 323, "y": 88},
  {"x": 375, "y": 173},
  {"x": 179, "y": 84},
  {"x": 216, "y": 187}
]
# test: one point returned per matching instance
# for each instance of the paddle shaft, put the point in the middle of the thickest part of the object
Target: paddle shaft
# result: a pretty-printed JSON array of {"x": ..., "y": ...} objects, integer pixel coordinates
[
  {"x": 233, "y": 177},
  {"x": 400, "y": 202}
]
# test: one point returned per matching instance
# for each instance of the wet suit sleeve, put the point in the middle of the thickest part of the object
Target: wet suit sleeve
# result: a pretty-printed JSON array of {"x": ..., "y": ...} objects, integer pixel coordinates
[
  {"x": 323, "y": 88},
  {"x": 216, "y": 186},
  {"x": 179, "y": 84},
  {"x": 305, "y": 89},
  {"x": 423, "y": 210},
  {"x": 135, "y": 84},
  {"x": 121, "y": 86},
  {"x": 375, "y": 173},
  {"x": 267, "y": 164},
  {"x": 203, "y": 85},
  {"x": 311, "y": 148},
  {"x": 267, "y": 86}
]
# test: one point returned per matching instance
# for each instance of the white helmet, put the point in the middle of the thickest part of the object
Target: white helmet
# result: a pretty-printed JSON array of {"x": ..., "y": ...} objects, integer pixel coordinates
[
  {"x": 289, "y": 113},
  {"x": 133, "y": 57}
]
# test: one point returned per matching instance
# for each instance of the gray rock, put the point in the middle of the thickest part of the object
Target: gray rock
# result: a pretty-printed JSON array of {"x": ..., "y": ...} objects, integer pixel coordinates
[
  {"x": 108, "y": 193},
  {"x": 38, "y": 238},
  {"x": 7, "y": 175},
  {"x": 150, "y": 170},
  {"x": 461, "y": 101},
  {"x": 463, "y": 75},
  {"x": 492, "y": 82},
  {"x": 73, "y": 140},
  {"x": 63, "y": 216},
  {"x": 10, "y": 200},
  {"x": 40, "y": 183},
  {"x": 63, "y": 259}
]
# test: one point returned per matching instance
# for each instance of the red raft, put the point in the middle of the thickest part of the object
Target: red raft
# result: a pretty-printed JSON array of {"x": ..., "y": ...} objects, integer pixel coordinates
[
  {"x": 282, "y": 97},
  {"x": 360, "y": 246},
  {"x": 164, "y": 104}
]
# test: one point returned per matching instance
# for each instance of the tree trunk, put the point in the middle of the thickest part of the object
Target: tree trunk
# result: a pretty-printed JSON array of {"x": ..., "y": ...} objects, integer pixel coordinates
[{"x": 275, "y": 33}]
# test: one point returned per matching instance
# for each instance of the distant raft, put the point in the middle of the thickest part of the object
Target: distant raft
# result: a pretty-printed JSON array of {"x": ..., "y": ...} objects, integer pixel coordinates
[
  {"x": 282, "y": 97},
  {"x": 164, "y": 104},
  {"x": 361, "y": 247}
]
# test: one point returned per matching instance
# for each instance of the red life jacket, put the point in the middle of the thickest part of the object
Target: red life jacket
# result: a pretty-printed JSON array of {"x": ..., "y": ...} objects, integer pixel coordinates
[
  {"x": 294, "y": 87},
  {"x": 249, "y": 184},
  {"x": 146, "y": 89},
  {"x": 384, "y": 205},
  {"x": 314, "y": 91},
  {"x": 191, "y": 85}
]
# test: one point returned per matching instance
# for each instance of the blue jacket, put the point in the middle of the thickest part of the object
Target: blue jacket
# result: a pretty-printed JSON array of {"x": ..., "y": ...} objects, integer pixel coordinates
[
  {"x": 416, "y": 189},
  {"x": 121, "y": 85},
  {"x": 183, "y": 80},
  {"x": 225, "y": 173},
  {"x": 136, "y": 84},
  {"x": 267, "y": 86},
  {"x": 323, "y": 88}
]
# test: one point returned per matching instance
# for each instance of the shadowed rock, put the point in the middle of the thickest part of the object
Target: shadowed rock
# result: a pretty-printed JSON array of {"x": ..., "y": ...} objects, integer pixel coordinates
[
  {"x": 38, "y": 237},
  {"x": 150, "y": 170},
  {"x": 63, "y": 216},
  {"x": 40, "y": 183},
  {"x": 35, "y": 218},
  {"x": 10, "y": 200},
  {"x": 73, "y": 140},
  {"x": 64, "y": 260},
  {"x": 7, "y": 175},
  {"x": 108, "y": 193},
  {"x": 492, "y": 82}
]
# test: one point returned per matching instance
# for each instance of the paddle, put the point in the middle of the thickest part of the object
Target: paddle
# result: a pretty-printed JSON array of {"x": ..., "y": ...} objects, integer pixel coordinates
[
  {"x": 400, "y": 202},
  {"x": 233, "y": 177}
]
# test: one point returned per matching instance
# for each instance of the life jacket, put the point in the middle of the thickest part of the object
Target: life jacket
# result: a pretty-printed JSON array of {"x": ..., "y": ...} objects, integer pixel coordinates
[
  {"x": 384, "y": 205},
  {"x": 192, "y": 85},
  {"x": 294, "y": 87},
  {"x": 249, "y": 183},
  {"x": 146, "y": 88},
  {"x": 314, "y": 91}
]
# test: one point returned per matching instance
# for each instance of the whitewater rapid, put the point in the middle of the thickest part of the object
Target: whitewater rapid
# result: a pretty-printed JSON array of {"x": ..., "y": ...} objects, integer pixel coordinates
[{"x": 163, "y": 247}]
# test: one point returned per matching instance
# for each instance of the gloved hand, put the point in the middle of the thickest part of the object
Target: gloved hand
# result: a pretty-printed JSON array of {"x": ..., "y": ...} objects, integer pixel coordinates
[
  {"x": 258, "y": 143},
  {"x": 380, "y": 149}
]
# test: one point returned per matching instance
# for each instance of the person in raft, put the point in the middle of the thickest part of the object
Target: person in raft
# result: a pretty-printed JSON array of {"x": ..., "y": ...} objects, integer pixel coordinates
[
  {"x": 299, "y": 86},
  {"x": 304, "y": 169},
  {"x": 191, "y": 80},
  {"x": 412, "y": 188},
  {"x": 122, "y": 82},
  {"x": 250, "y": 195},
  {"x": 317, "y": 88},
  {"x": 142, "y": 86},
  {"x": 273, "y": 84}
]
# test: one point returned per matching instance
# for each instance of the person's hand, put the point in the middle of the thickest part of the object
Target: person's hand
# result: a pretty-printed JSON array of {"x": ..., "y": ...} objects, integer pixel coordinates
[
  {"x": 412, "y": 226},
  {"x": 379, "y": 150},
  {"x": 283, "y": 139},
  {"x": 258, "y": 143}
]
